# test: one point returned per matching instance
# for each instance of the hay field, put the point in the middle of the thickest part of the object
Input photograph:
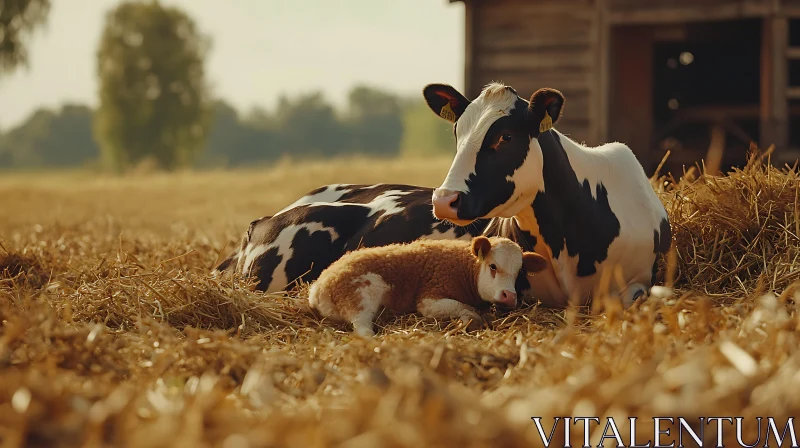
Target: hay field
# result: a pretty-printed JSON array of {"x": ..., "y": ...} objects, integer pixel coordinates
[{"x": 112, "y": 333}]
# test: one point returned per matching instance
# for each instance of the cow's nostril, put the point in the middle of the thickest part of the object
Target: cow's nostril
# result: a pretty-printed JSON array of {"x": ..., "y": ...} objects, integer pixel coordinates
[{"x": 456, "y": 202}]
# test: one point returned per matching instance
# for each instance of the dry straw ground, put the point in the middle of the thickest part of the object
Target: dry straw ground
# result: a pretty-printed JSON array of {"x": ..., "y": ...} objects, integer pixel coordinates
[{"x": 113, "y": 334}]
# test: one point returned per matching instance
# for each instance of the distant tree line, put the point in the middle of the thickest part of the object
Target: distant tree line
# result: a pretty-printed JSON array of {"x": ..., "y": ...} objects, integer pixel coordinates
[
  {"x": 300, "y": 127},
  {"x": 155, "y": 106}
]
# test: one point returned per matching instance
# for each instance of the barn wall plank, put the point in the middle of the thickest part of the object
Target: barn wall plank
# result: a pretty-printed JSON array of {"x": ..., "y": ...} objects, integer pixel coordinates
[
  {"x": 684, "y": 11},
  {"x": 525, "y": 83},
  {"x": 649, "y": 4},
  {"x": 547, "y": 43},
  {"x": 471, "y": 14}
]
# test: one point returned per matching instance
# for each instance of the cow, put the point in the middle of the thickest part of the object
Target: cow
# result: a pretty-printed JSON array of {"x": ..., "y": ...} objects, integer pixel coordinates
[
  {"x": 297, "y": 243},
  {"x": 587, "y": 210}
]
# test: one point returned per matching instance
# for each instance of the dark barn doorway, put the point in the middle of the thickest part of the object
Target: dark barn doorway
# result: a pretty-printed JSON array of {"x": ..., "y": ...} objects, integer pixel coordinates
[
  {"x": 711, "y": 79},
  {"x": 678, "y": 87}
]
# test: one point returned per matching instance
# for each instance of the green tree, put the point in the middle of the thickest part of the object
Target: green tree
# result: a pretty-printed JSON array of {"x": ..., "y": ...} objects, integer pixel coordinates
[
  {"x": 424, "y": 133},
  {"x": 18, "y": 19},
  {"x": 376, "y": 121},
  {"x": 234, "y": 142},
  {"x": 51, "y": 139},
  {"x": 154, "y": 100},
  {"x": 309, "y": 126}
]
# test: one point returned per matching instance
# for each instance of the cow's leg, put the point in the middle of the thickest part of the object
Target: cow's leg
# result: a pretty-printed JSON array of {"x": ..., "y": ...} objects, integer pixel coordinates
[
  {"x": 451, "y": 309},
  {"x": 632, "y": 293}
]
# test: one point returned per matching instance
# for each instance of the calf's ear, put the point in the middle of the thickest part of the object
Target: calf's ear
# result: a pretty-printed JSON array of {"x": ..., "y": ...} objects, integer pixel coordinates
[
  {"x": 446, "y": 101},
  {"x": 533, "y": 262},
  {"x": 481, "y": 247},
  {"x": 544, "y": 110}
]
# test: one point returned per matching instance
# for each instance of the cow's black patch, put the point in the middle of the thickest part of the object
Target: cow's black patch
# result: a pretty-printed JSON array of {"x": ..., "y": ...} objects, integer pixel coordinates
[
  {"x": 321, "y": 189},
  {"x": 488, "y": 185},
  {"x": 264, "y": 267},
  {"x": 662, "y": 237},
  {"x": 567, "y": 213},
  {"x": 226, "y": 263},
  {"x": 522, "y": 284},
  {"x": 311, "y": 254},
  {"x": 654, "y": 277}
]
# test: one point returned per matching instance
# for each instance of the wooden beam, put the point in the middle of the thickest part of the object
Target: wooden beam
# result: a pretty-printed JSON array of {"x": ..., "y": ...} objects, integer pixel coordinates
[
  {"x": 470, "y": 89},
  {"x": 684, "y": 14},
  {"x": 793, "y": 93},
  {"x": 793, "y": 53},
  {"x": 792, "y": 12},
  {"x": 563, "y": 59},
  {"x": 765, "y": 122},
  {"x": 602, "y": 85},
  {"x": 780, "y": 105},
  {"x": 774, "y": 114}
]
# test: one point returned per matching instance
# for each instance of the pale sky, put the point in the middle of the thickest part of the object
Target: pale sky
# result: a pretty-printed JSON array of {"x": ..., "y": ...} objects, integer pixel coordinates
[{"x": 261, "y": 48}]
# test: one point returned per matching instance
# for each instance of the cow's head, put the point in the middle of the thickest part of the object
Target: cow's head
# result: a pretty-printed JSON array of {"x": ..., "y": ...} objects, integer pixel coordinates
[{"x": 497, "y": 169}]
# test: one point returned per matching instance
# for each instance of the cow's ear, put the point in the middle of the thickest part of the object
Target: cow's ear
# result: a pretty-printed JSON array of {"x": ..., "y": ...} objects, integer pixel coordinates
[
  {"x": 545, "y": 110},
  {"x": 481, "y": 247},
  {"x": 533, "y": 262},
  {"x": 445, "y": 100}
]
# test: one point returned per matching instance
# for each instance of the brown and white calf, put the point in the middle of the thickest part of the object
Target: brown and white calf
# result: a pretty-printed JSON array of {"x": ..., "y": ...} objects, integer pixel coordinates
[{"x": 439, "y": 278}]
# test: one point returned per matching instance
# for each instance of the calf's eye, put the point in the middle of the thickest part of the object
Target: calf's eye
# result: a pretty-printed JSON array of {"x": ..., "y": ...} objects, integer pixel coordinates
[
  {"x": 505, "y": 138},
  {"x": 493, "y": 267}
]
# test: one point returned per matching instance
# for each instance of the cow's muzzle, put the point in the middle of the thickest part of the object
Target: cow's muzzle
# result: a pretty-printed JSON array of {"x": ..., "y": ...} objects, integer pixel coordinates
[{"x": 445, "y": 206}]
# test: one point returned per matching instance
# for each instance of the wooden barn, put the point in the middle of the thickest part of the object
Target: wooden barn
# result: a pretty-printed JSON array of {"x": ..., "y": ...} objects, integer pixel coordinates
[{"x": 683, "y": 75}]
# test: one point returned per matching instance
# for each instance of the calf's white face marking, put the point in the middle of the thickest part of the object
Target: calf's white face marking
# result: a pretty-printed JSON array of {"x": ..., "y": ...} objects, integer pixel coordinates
[{"x": 501, "y": 261}]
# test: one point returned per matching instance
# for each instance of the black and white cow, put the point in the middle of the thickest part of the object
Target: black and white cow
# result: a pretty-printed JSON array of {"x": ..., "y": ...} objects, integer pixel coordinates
[
  {"x": 304, "y": 238},
  {"x": 585, "y": 209}
]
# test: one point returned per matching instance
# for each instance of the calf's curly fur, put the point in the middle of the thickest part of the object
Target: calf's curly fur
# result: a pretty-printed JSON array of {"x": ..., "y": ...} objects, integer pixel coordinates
[{"x": 442, "y": 279}]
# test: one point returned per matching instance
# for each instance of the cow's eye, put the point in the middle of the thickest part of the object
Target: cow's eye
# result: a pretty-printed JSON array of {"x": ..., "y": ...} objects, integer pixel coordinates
[
  {"x": 493, "y": 267},
  {"x": 505, "y": 138}
]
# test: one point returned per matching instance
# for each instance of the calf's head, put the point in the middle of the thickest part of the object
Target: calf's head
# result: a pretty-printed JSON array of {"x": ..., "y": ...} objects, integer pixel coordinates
[
  {"x": 500, "y": 261},
  {"x": 497, "y": 169}
]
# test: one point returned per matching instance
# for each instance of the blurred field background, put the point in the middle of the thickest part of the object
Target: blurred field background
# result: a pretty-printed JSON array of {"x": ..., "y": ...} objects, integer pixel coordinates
[
  {"x": 114, "y": 334},
  {"x": 218, "y": 203}
]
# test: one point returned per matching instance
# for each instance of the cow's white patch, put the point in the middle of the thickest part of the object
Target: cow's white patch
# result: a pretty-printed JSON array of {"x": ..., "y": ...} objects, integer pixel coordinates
[
  {"x": 284, "y": 244},
  {"x": 386, "y": 202},
  {"x": 331, "y": 193},
  {"x": 494, "y": 102}
]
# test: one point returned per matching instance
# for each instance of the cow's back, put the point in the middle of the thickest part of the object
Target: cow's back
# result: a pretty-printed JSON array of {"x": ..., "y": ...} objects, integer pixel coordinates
[{"x": 300, "y": 241}]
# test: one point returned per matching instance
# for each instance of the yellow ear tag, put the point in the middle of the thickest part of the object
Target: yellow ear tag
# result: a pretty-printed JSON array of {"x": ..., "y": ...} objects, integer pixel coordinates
[
  {"x": 447, "y": 113},
  {"x": 546, "y": 124}
]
